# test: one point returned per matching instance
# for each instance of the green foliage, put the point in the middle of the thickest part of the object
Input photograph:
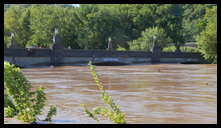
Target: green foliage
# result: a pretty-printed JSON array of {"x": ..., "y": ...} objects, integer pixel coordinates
[
  {"x": 43, "y": 24},
  {"x": 19, "y": 100},
  {"x": 174, "y": 27},
  {"x": 9, "y": 112},
  {"x": 207, "y": 39},
  {"x": 189, "y": 49},
  {"x": 16, "y": 20},
  {"x": 52, "y": 111},
  {"x": 119, "y": 48},
  {"x": 112, "y": 110},
  {"x": 90, "y": 25},
  {"x": 193, "y": 21},
  {"x": 145, "y": 42},
  {"x": 90, "y": 114},
  {"x": 182, "y": 48},
  {"x": 169, "y": 49},
  {"x": 39, "y": 100}
]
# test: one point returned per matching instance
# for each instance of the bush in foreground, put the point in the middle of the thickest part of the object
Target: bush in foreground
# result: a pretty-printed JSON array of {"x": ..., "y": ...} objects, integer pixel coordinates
[{"x": 19, "y": 100}]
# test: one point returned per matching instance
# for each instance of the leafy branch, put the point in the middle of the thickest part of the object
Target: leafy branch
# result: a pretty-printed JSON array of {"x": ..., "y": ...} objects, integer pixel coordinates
[{"x": 112, "y": 111}]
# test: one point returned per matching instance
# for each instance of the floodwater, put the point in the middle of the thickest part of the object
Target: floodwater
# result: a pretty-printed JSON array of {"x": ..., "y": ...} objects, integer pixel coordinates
[{"x": 147, "y": 94}]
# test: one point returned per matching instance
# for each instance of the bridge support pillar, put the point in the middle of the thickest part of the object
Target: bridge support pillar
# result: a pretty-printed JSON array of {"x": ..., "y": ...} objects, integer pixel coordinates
[
  {"x": 156, "y": 54},
  {"x": 57, "y": 50}
]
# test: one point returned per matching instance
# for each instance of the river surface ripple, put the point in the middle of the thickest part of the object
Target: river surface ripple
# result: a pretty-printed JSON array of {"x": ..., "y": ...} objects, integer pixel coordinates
[{"x": 162, "y": 93}]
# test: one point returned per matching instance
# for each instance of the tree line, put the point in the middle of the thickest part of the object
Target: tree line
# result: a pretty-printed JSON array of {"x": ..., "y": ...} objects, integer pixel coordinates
[{"x": 130, "y": 26}]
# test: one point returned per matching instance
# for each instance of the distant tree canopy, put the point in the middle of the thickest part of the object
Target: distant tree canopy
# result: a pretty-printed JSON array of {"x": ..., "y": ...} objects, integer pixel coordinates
[{"x": 90, "y": 25}]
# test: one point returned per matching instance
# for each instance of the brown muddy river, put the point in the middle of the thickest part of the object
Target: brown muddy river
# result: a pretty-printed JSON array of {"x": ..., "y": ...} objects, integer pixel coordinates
[{"x": 163, "y": 93}]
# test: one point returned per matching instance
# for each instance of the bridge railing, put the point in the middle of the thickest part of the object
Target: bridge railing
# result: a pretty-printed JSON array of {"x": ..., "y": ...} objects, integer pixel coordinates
[
  {"x": 23, "y": 52},
  {"x": 46, "y": 52}
]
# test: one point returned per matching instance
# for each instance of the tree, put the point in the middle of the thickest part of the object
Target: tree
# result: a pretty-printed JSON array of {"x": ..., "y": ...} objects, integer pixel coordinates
[
  {"x": 148, "y": 37},
  {"x": 89, "y": 26},
  {"x": 207, "y": 39},
  {"x": 174, "y": 25},
  {"x": 193, "y": 21},
  {"x": 44, "y": 19},
  {"x": 25, "y": 23},
  {"x": 15, "y": 20},
  {"x": 96, "y": 27},
  {"x": 42, "y": 25}
]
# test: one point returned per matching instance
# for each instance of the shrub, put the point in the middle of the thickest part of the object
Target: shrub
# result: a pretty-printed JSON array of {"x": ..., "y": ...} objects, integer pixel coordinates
[
  {"x": 169, "y": 49},
  {"x": 19, "y": 100},
  {"x": 119, "y": 48},
  {"x": 9, "y": 111},
  {"x": 112, "y": 111},
  {"x": 182, "y": 49},
  {"x": 52, "y": 112},
  {"x": 207, "y": 39},
  {"x": 189, "y": 49}
]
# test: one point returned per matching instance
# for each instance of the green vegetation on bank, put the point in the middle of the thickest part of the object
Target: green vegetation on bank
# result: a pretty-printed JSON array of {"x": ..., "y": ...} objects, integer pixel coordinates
[
  {"x": 207, "y": 39},
  {"x": 19, "y": 99},
  {"x": 129, "y": 25},
  {"x": 111, "y": 110},
  {"x": 148, "y": 37},
  {"x": 182, "y": 49}
]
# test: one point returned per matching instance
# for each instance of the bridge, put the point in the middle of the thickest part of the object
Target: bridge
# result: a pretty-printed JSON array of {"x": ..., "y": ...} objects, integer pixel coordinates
[
  {"x": 57, "y": 55},
  {"x": 34, "y": 57}
]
